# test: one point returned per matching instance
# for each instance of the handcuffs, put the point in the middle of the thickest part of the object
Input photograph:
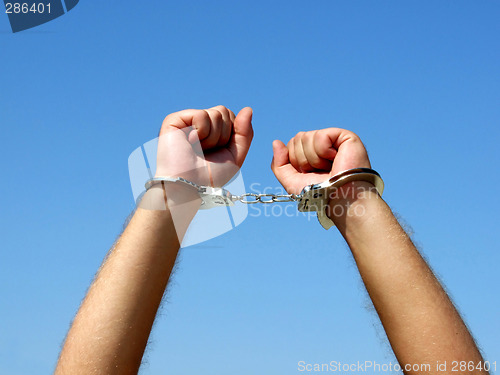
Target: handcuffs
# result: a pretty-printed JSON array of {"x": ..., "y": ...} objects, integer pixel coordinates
[{"x": 313, "y": 198}]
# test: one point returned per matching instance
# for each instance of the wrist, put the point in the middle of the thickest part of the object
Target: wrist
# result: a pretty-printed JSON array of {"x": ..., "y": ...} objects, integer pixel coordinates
[
  {"x": 351, "y": 203},
  {"x": 170, "y": 196}
]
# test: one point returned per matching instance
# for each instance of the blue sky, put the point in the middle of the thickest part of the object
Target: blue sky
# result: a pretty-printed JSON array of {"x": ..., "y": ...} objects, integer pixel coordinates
[{"x": 418, "y": 81}]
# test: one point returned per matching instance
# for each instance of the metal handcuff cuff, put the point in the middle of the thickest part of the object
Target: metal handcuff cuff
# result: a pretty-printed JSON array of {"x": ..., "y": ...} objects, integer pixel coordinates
[{"x": 312, "y": 198}]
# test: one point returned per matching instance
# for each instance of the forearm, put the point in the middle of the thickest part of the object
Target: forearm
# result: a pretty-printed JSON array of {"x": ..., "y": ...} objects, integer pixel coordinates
[
  {"x": 111, "y": 330},
  {"x": 421, "y": 322}
]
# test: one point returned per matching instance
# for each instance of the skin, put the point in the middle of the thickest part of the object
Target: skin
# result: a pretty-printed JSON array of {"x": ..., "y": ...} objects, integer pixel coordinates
[
  {"x": 111, "y": 329},
  {"x": 419, "y": 318}
]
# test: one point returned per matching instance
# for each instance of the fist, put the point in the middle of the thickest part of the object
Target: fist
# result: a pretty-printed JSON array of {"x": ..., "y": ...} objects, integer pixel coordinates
[
  {"x": 205, "y": 146},
  {"x": 313, "y": 157}
]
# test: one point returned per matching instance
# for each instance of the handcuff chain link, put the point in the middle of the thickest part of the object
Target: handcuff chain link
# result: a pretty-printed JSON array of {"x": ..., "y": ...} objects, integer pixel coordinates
[{"x": 252, "y": 198}]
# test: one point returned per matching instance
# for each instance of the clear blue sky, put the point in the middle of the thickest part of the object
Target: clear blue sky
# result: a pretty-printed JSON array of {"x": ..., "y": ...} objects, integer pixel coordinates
[{"x": 418, "y": 81}]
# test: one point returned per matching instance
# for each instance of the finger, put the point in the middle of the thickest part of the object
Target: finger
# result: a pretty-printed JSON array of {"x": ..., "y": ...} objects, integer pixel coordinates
[
  {"x": 216, "y": 122},
  {"x": 227, "y": 125},
  {"x": 285, "y": 172},
  {"x": 232, "y": 116},
  {"x": 201, "y": 123},
  {"x": 323, "y": 145},
  {"x": 351, "y": 152},
  {"x": 304, "y": 165},
  {"x": 291, "y": 154},
  {"x": 188, "y": 120},
  {"x": 317, "y": 162},
  {"x": 242, "y": 135}
]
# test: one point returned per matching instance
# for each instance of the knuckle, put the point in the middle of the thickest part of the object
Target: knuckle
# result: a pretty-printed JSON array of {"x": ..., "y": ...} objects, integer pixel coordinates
[
  {"x": 204, "y": 118},
  {"x": 353, "y": 136},
  {"x": 222, "y": 110},
  {"x": 307, "y": 137},
  {"x": 168, "y": 119},
  {"x": 202, "y": 114},
  {"x": 321, "y": 134},
  {"x": 216, "y": 115}
]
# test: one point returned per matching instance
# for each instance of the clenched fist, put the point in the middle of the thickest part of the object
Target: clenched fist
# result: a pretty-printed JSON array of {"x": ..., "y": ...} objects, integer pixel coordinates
[
  {"x": 206, "y": 146},
  {"x": 312, "y": 157}
]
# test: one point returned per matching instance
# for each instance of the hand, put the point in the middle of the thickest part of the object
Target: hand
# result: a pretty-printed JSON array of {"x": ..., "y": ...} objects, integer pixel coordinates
[
  {"x": 313, "y": 157},
  {"x": 207, "y": 146}
]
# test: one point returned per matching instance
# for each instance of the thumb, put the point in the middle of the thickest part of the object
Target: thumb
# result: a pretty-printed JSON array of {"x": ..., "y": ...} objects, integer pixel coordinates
[
  {"x": 283, "y": 170},
  {"x": 242, "y": 135},
  {"x": 280, "y": 155}
]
